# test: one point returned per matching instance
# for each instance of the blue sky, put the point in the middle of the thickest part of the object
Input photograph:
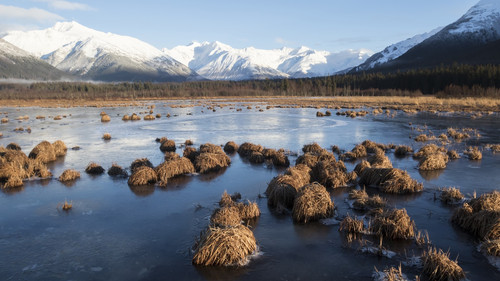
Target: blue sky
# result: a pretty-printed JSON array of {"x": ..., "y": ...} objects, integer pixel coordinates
[{"x": 331, "y": 25}]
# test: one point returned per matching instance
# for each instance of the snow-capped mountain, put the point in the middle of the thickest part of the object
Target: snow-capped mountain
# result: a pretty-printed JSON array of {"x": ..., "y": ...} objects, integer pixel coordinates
[
  {"x": 79, "y": 50},
  {"x": 19, "y": 64},
  {"x": 473, "y": 39},
  {"x": 218, "y": 61}
]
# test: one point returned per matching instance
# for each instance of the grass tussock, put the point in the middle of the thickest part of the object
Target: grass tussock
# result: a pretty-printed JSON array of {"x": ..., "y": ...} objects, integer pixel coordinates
[
  {"x": 143, "y": 175},
  {"x": 69, "y": 175},
  {"x": 458, "y": 135},
  {"x": 226, "y": 216},
  {"x": 452, "y": 154},
  {"x": 229, "y": 246},
  {"x": 13, "y": 182},
  {"x": 210, "y": 148},
  {"x": 171, "y": 156},
  {"x": 438, "y": 266},
  {"x": 379, "y": 161},
  {"x": 117, "y": 171},
  {"x": 226, "y": 200},
  {"x": 190, "y": 153},
  {"x": 393, "y": 224},
  {"x": 211, "y": 162},
  {"x": 390, "y": 180},
  {"x": 330, "y": 174},
  {"x": 256, "y": 158},
  {"x": 94, "y": 169},
  {"x": 301, "y": 173},
  {"x": 481, "y": 216},
  {"x": 451, "y": 195},
  {"x": 174, "y": 168},
  {"x": 60, "y": 148},
  {"x": 105, "y": 118},
  {"x": 231, "y": 147},
  {"x": 13, "y": 146},
  {"x": 314, "y": 148},
  {"x": 428, "y": 149},
  {"x": 436, "y": 161},
  {"x": 473, "y": 153},
  {"x": 106, "y": 136},
  {"x": 421, "y": 138},
  {"x": 351, "y": 225},
  {"x": 246, "y": 149},
  {"x": 491, "y": 247},
  {"x": 188, "y": 142},
  {"x": 66, "y": 206},
  {"x": 137, "y": 163},
  {"x": 365, "y": 202},
  {"x": 281, "y": 191},
  {"x": 44, "y": 152},
  {"x": 361, "y": 166},
  {"x": 167, "y": 146},
  {"x": 390, "y": 274},
  {"x": 248, "y": 210},
  {"x": 312, "y": 203}
]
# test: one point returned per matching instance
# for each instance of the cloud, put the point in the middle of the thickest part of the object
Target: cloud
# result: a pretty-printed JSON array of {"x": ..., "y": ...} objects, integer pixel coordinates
[
  {"x": 32, "y": 14},
  {"x": 66, "y": 5},
  {"x": 280, "y": 40}
]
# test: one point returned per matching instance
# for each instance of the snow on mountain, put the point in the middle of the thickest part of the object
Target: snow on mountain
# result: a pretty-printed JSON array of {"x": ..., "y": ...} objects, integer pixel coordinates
[
  {"x": 218, "y": 61},
  {"x": 484, "y": 16},
  {"x": 72, "y": 47}
]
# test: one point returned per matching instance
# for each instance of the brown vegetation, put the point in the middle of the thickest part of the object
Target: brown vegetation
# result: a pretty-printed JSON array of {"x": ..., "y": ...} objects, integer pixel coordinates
[
  {"x": 491, "y": 247},
  {"x": 117, "y": 171},
  {"x": 106, "y": 136},
  {"x": 44, "y": 152},
  {"x": 173, "y": 168},
  {"x": 167, "y": 145},
  {"x": 94, "y": 169},
  {"x": 211, "y": 162},
  {"x": 432, "y": 162},
  {"x": 403, "y": 150},
  {"x": 350, "y": 225},
  {"x": 393, "y": 224},
  {"x": 312, "y": 203},
  {"x": 60, "y": 148},
  {"x": 330, "y": 174},
  {"x": 139, "y": 163},
  {"x": 69, "y": 175},
  {"x": 451, "y": 195},
  {"x": 105, "y": 118},
  {"x": 230, "y": 147},
  {"x": 473, "y": 153},
  {"x": 226, "y": 216},
  {"x": 390, "y": 180},
  {"x": 246, "y": 149},
  {"x": 438, "y": 266},
  {"x": 143, "y": 175}
]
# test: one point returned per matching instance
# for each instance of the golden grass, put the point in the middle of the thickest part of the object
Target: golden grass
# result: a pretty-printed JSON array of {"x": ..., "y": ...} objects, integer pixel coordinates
[
  {"x": 69, "y": 175},
  {"x": 191, "y": 153},
  {"x": 481, "y": 216},
  {"x": 117, "y": 170},
  {"x": 457, "y": 135},
  {"x": 491, "y": 247},
  {"x": 149, "y": 117},
  {"x": 210, "y": 148},
  {"x": 188, "y": 142},
  {"x": 226, "y": 200},
  {"x": 393, "y": 224},
  {"x": 229, "y": 246},
  {"x": 256, "y": 158},
  {"x": 312, "y": 203},
  {"x": 438, "y": 266},
  {"x": 301, "y": 173},
  {"x": 139, "y": 163},
  {"x": 167, "y": 146},
  {"x": 173, "y": 168},
  {"x": 390, "y": 180},
  {"x": 4, "y": 120},
  {"x": 428, "y": 149},
  {"x": 369, "y": 202},
  {"x": 390, "y": 274},
  {"x": 421, "y": 138},
  {"x": 307, "y": 159},
  {"x": 105, "y": 118},
  {"x": 225, "y": 217},
  {"x": 143, "y": 175},
  {"x": 13, "y": 146},
  {"x": 66, "y": 206},
  {"x": 358, "y": 151},
  {"x": 330, "y": 174},
  {"x": 451, "y": 195},
  {"x": 281, "y": 191},
  {"x": 126, "y": 117},
  {"x": 379, "y": 161},
  {"x": 60, "y": 148},
  {"x": 452, "y": 154},
  {"x": 211, "y": 162},
  {"x": 473, "y": 153},
  {"x": 436, "y": 161},
  {"x": 13, "y": 181},
  {"x": 248, "y": 210},
  {"x": 350, "y": 225},
  {"x": 106, "y": 136},
  {"x": 361, "y": 166},
  {"x": 246, "y": 149},
  {"x": 44, "y": 152},
  {"x": 94, "y": 169},
  {"x": 279, "y": 159},
  {"x": 312, "y": 148},
  {"x": 170, "y": 156},
  {"x": 231, "y": 147}
]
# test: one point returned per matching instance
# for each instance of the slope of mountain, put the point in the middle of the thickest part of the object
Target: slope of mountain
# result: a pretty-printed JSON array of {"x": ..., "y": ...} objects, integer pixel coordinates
[
  {"x": 472, "y": 39},
  {"x": 19, "y": 64},
  {"x": 96, "y": 55},
  {"x": 215, "y": 60}
]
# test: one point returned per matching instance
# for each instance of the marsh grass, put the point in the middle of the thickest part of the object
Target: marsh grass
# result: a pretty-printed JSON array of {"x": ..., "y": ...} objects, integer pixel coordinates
[
  {"x": 312, "y": 203},
  {"x": 438, "y": 266}
]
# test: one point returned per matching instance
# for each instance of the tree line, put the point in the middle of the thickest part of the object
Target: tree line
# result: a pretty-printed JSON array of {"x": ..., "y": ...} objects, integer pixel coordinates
[{"x": 442, "y": 81}]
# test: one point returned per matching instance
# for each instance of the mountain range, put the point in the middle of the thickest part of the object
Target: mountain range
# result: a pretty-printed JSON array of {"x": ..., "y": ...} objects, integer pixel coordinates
[{"x": 69, "y": 50}]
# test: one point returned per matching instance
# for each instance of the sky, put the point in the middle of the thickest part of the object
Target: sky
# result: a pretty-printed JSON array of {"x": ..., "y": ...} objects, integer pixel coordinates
[{"x": 331, "y": 25}]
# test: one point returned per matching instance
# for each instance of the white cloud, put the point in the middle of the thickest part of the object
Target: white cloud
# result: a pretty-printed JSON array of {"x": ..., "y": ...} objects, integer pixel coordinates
[
  {"x": 66, "y": 5},
  {"x": 280, "y": 40},
  {"x": 32, "y": 14}
]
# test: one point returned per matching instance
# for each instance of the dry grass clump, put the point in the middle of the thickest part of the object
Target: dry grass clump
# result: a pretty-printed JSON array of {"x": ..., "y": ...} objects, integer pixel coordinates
[
  {"x": 66, "y": 206},
  {"x": 428, "y": 149},
  {"x": 361, "y": 166},
  {"x": 433, "y": 162},
  {"x": 246, "y": 149},
  {"x": 231, "y": 147},
  {"x": 225, "y": 246},
  {"x": 210, "y": 148},
  {"x": 256, "y": 158},
  {"x": 209, "y": 162},
  {"x": 226, "y": 200},
  {"x": 357, "y": 152},
  {"x": 494, "y": 147},
  {"x": 330, "y": 174},
  {"x": 421, "y": 138},
  {"x": 167, "y": 145},
  {"x": 473, "y": 153},
  {"x": 60, "y": 148},
  {"x": 403, "y": 150},
  {"x": 225, "y": 217},
  {"x": 279, "y": 159},
  {"x": 312, "y": 203},
  {"x": 301, "y": 173},
  {"x": 379, "y": 161},
  {"x": 126, "y": 117},
  {"x": 190, "y": 153},
  {"x": 248, "y": 210},
  {"x": 390, "y": 274},
  {"x": 105, "y": 118},
  {"x": 16, "y": 166},
  {"x": 368, "y": 203},
  {"x": 457, "y": 135},
  {"x": 13, "y": 146},
  {"x": 69, "y": 175},
  {"x": 117, "y": 171},
  {"x": 351, "y": 225},
  {"x": 173, "y": 168},
  {"x": 44, "y": 152},
  {"x": 393, "y": 224},
  {"x": 491, "y": 247},
  {"x": 149, "y": 117},
  {"x": 451, "y": 195},
  {"x": 143, "y": 175},
  {"x": 4, "y": 120},
  {"x": 281, "y": 191},
  {"x": 453, "y": 154},
  {"x": 438, "y": 266},
  {"x": 188, "y": 142},
  {"x": 94, "y": 169},
  {"x": 13, "y": 181},
  {"x": 135, "y": 117},
  {"x": 312, "y": 148},
  {"x": 106, "y": 136},
  {"x": 169, "y": 156},
  {"x": 390, "y": 180},
  {"x": 139, "y": 163},
  {"x": 481, "y": 216}
]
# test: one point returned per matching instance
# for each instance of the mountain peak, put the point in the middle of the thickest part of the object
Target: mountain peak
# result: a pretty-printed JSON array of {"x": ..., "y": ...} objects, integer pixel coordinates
[{"x": 66, "y": 26}]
